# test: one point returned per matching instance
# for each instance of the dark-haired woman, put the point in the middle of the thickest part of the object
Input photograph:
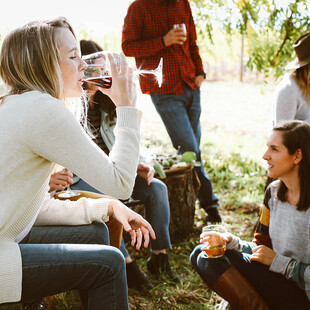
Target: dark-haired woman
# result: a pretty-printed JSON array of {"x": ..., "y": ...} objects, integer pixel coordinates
[
  {"x": 273, "y": 271},
  {"x": 151, "y": 191}
]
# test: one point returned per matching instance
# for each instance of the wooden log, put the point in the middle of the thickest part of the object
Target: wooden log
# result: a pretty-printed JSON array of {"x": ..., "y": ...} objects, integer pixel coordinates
[{"x": 183, "y": 186}]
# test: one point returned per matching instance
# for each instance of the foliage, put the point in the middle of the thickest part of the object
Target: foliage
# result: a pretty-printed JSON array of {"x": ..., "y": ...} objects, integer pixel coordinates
[{"x": 270, "y": 27}]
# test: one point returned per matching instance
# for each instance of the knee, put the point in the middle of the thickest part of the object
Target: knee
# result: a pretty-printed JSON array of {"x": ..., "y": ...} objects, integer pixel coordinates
[
  {"x": 116, "y": 259},
  {"x": 158, "y": 189},
  {"x": 98, "y": 233},
  {"x": 194, "y": 255}
]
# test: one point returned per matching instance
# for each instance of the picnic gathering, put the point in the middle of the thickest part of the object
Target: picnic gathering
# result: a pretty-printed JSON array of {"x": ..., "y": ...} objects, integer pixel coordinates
[{"x": 71, "y": 169}]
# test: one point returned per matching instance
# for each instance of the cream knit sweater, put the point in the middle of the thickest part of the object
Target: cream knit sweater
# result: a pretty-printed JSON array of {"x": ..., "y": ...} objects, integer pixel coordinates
[{"x": 37, "y": 131}]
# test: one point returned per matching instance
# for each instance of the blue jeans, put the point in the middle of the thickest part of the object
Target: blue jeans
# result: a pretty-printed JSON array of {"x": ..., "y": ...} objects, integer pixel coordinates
[
  {"x": 277, "y": 291},
  {"x": 56, "y": 259},
  {"x": 157, "y": 210},
  {"x": 181, "y": 117}
]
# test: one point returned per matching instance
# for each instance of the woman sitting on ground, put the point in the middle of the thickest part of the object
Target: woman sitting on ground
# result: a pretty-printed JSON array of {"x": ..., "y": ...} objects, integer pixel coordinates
[
  {"x": 41, "y": 65},
  {"x": 273, "y": 271}
]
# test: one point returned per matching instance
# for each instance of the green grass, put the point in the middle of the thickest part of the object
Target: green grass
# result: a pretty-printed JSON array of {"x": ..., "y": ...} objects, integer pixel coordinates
[{"x": 236, "y": 120}]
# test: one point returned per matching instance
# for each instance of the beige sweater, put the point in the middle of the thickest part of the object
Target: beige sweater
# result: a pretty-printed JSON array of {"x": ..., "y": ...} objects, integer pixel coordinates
[{"x": 37, "y": 131}]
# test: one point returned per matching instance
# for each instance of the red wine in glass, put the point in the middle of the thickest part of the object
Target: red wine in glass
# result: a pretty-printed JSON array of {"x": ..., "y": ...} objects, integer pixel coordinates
[{"x": 101, "y": 81}]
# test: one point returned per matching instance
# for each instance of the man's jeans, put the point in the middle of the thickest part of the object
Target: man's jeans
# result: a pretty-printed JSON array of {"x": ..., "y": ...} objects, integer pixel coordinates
[
  {"x": 56, "y": 259},
  {"x": 277, "y": 291},
  {"x": 157, "y": 210},
  {"x": 181, "y": 117}
]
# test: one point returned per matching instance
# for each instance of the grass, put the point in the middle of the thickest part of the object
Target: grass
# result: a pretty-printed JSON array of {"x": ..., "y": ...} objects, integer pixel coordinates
[{"x": 236, "y": 120}]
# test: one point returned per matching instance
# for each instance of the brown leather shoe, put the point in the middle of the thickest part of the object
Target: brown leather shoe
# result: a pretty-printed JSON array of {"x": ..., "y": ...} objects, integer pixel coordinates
[{"x": 238, "y": 291}]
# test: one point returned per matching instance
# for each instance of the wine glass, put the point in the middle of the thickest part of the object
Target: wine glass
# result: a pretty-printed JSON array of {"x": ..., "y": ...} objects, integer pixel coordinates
[
  {"x": 69, "y": 192},
  {"x": 183, "y": 26},
  {"x": 98, "y": 71}
]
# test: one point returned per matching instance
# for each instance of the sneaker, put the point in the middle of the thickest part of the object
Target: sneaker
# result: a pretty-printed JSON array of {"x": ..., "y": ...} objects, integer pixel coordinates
[
  {"x": 213, "y": 215},
  {"x": 135, "y": 278},
  {"x": 157, "y": 264}
]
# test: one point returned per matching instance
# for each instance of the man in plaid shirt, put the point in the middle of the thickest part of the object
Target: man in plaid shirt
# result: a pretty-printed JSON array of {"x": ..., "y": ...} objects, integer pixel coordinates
[{"x": 148, "y": 35}]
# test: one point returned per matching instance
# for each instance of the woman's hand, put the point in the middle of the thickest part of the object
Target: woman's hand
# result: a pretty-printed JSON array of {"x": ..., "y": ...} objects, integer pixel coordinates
[
  {"x": 206, "y": 236},
  {"x": 146, "y": 172},
  {"x": 132, "y": 222},
  {"x": 60, "y": 180},
  {"x": 123, "y": 91},
  {"x": 263, "y": 254}
]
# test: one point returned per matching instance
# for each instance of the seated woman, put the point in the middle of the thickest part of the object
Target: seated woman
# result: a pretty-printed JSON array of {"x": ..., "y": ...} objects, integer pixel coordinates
[
  {"x": 273, "y": 271},
  {"x": 41, "y": 65},
  {"x": 152, "y": 192}
]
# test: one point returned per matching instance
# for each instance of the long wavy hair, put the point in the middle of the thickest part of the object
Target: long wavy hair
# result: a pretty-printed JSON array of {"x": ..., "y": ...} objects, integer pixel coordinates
[
  {"x": 29, "y": 58},
  {"x": 296, "y": 135},
  {"x": 302, "y": 78}
]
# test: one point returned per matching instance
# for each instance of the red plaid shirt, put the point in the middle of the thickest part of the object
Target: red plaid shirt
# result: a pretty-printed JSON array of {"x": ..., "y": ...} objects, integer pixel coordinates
[{"x": 146, "y": 22}]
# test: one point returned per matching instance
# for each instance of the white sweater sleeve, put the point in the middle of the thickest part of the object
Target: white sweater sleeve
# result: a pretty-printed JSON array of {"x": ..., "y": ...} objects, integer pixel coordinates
[
  {"x": 66, "y": 212},
  {"x": 51, "y": 131},
  {"x": 285, "y": 103}
]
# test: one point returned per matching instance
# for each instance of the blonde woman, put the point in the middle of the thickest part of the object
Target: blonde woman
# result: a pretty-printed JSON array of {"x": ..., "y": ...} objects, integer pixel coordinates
[
  {"x": 292, "y": 95},
  {"x": 41, "y": 65}
]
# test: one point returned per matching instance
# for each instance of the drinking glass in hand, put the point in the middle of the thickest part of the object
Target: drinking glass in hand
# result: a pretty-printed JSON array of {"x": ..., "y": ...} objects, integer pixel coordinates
[
  {"x": 98, "y": 71},
  {"x": 215, "y": 245},
  {"x": 183, "y": 26},
  {"x": 68, "y": 193}
]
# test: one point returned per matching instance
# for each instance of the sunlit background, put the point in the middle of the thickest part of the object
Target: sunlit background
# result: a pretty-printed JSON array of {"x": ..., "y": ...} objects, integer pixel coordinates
[{"x": 99, "y": 16}]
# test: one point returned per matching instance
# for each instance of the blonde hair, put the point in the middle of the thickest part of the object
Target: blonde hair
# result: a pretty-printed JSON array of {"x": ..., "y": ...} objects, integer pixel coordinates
[
  {"x": 302, "y": 78},
  {"x": 29, "y": 58}
]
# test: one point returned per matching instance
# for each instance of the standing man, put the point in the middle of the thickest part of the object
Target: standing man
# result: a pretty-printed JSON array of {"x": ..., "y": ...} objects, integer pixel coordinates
[{"x": 148, "y": 35}]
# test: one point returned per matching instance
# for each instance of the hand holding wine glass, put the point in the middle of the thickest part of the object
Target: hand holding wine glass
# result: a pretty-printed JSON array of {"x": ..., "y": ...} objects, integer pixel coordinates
[
  {"x": 68, "y": 193},
  {"x": 177, "y": 35},
  {"x": 101, "y": 72}
]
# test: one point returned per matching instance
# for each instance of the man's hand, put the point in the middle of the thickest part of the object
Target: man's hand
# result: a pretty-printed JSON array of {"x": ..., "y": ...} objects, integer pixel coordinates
[
  {"x": 263, "y": 254},
  {"x": 198, "y": 80},
  {"x": 146, "y": 172},
  {"x": 60, "y": 180},
  {"x": 174, "y": 36}
]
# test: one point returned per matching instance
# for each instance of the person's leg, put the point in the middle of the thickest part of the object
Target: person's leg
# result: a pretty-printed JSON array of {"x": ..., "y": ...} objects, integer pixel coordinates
[
  {"x": 157, "y": 212},
  {"x": 96, "y": 270},
  {"x": 221, "y": 274},
  {"x": 180, "y": 115},
  {"x": 83, "y": 186},
  {"x": 223, "y": 277},
  {"x": 135, "y": 278},
  {"x": 276, "y": 290},
  {"x": 95, "y": 233}
]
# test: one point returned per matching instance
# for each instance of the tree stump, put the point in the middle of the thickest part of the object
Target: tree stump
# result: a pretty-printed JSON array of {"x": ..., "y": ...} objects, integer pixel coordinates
[{"x": 183, "y": 186}]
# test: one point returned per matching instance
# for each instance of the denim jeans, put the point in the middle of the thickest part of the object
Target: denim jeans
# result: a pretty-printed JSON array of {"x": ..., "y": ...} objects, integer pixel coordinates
[
  {"x": 61, "y": 258},
  {"x": 277, "y": 291},
  {"x": 157, "y": 210},
  {"x": 181, "y": 117}
]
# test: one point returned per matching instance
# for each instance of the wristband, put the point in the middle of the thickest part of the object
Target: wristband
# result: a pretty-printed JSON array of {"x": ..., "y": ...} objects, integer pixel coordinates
[{"x": 202, "y": 73}]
